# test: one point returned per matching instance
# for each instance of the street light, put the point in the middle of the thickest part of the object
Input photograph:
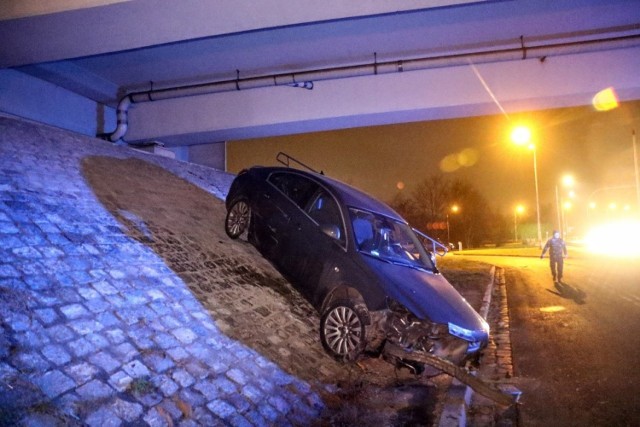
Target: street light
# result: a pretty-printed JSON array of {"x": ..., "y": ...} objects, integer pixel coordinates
[
  {"x": 521, "y": 135},
  {"x": 518, "y": 210},
  {"x": 454, "y": 209}
]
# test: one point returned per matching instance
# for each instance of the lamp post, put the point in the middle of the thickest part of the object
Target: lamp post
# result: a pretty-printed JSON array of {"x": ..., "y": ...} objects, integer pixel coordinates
[
  {"x": 518, "y": 210},
  {"x": 454, "y": 209},
  {"x": 521, "y": 135}
]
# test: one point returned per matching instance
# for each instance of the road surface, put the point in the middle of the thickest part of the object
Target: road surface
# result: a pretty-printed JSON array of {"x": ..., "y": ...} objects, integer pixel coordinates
[{"x": 576, "y": 347}]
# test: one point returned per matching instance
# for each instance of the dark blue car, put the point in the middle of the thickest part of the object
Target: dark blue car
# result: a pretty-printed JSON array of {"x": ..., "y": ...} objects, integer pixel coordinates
[{"x": 357, "y": 261}]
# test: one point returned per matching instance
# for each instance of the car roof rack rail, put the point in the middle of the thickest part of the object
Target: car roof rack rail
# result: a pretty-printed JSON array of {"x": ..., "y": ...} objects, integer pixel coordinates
[{"x": 286, "y": 160}]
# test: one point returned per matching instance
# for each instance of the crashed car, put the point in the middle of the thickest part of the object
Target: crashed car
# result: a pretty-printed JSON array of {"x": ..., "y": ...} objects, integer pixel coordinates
[{"x": 357, "y": 261}]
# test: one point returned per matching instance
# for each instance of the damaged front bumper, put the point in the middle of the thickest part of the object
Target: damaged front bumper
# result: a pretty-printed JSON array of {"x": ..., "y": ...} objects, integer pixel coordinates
[{"x": 449, "y": 342}]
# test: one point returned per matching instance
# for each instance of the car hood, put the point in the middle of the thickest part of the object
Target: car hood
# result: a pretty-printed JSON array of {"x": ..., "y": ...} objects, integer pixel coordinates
[{"x": 427, "y": 295}]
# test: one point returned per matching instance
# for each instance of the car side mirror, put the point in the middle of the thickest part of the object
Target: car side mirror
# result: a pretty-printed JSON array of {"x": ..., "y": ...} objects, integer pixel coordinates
[{"x": 331, "y": 230}]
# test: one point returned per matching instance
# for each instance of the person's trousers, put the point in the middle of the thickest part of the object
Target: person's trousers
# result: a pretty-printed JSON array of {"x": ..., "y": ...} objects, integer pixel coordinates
[{"x": 557, "y": 264}]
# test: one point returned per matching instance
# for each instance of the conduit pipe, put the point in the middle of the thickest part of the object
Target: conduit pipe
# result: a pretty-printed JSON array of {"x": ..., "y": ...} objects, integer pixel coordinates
[{"x": 305, "y": 78}]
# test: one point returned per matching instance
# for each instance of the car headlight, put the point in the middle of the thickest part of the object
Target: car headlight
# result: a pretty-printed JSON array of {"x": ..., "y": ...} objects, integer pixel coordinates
[{"x": 475, "y": 338}]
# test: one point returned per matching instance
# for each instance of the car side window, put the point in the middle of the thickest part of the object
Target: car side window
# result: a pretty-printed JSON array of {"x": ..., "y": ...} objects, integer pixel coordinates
[
  {"x": 324, "y": 210},
  {"x": 297, "y": 188}
]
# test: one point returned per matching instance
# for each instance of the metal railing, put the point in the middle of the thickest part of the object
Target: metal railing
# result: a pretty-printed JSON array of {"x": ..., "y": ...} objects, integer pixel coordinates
[
  {"x": 286, "y": 160},
  {"x": 437, "y": 248}
]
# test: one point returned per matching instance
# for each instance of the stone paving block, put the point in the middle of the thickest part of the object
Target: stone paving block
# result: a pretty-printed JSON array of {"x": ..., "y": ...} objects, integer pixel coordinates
[
  {"x": 268, "y": 412},
  {"x": 84, "y": 327},
  {"x": 120, "y": 381},
  {"x": 81, "y": 347},
  {"x": 27, "y": 252},
  {"x": 165, "y": 385},
  {"x": 60, "y": 333},
  {"x": 256, "y": 418},
  {"x": 161, "y": 309},
  {"x": 103, "y": 360},
  {"x": 141, "y": 338},
  {"x": 46, "y": 315},
  {"x": 221, "y": 409},
  {"x": 184, "y": 335},
  {"x": 32, "y": 339},
  {"x": 225, "y": 386},
  {"x": 156, "y": 294},
  {"x": 95, "y": 390},
  {"x": 207, "y": 388},
  {"x": 103, "y": 417},
  {"x": 116, "y": 301},
  {"x": 125, "y": 351},
  {"x": 81, "y": 372},
  {"x": 165, "y": 341},
  {"x": 252, "y": 393},
  {"x": 99, "y": 305},
  {"x": 182, "y": 377},
  {"x": 74, "y": 311},
  {"x": 158, "y": 362},
  {"x": 136, "y": 369},
  {"x": 105, "y": 288},
  {"x": 178, "y": 354},
  {"x": 29, "y": 362},
  {"x": 237, "y": 376},
  {"x": 191, "y": 397},
  {"x": 197, "y": 369},
  {"x": 279, "y": 404},
  {"x": 156, "y": 419},
  {"x": 18, "y": 322},
  {"x": 127, "y": 411},
  {"x": 54, "y": 383},
  {"x": 56, "y": 354},
  {"x": 115, "y": 336}
]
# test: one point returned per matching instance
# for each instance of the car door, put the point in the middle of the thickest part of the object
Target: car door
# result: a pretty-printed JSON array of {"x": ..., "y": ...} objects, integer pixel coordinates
[
  {"x": 281, "y": 206},
  {"x": 317, "y": 240}
]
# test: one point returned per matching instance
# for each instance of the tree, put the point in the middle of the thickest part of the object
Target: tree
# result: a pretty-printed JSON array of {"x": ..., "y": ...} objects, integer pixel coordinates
[{"x": 430, "y": 204}]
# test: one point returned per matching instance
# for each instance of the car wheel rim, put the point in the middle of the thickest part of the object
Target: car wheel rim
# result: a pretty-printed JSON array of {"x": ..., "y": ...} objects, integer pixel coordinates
[
  {"x": 238, "y": 218},
  {"x": 343, "y": 330}
]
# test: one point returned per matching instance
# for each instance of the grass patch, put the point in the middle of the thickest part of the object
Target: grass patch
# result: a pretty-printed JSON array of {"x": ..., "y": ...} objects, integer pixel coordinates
[{"x": 141, "y": 386}]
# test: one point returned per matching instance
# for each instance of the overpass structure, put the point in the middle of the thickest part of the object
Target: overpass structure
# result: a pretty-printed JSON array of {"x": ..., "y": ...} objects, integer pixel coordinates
[{"x": 198, "y": 72}]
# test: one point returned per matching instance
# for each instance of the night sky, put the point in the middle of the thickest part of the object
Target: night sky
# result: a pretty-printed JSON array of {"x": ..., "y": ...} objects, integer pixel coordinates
[{"x": 595, "y": 147}]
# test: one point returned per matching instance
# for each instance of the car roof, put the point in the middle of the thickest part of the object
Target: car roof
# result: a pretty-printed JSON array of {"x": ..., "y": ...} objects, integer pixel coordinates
[{"x": 348, "y": 195}]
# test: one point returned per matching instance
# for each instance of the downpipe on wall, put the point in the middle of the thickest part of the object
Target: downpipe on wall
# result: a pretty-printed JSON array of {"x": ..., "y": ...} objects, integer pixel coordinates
[{"x": 305, "y": 79}]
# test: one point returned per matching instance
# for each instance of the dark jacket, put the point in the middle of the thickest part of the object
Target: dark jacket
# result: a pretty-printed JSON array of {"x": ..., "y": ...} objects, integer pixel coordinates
[{"x": 556, "y": 248}]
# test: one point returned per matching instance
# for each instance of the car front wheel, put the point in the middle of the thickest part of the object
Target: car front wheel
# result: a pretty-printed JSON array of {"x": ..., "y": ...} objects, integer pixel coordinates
[
  {"x": 238, "y": 217},
  {"x": 342, "y": 330}
]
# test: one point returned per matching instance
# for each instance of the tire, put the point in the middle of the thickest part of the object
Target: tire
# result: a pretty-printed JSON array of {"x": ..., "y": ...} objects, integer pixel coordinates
[
  {"x": 238, "y": 218},
  {"x": 342, "y": 330}
]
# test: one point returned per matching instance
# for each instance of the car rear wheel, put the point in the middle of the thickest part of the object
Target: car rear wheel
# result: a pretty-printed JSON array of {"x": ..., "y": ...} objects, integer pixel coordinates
[
  {"x": 342, "y": 330},
  {"x": 238, "y": 217}
]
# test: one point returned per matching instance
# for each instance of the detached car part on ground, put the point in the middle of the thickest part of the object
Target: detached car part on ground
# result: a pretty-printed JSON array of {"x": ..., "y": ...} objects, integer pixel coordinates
[{"x": 359, "y": 263}]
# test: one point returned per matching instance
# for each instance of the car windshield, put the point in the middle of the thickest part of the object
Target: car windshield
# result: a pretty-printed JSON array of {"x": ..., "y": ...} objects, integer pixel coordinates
[{"x": 389, "y": 240}]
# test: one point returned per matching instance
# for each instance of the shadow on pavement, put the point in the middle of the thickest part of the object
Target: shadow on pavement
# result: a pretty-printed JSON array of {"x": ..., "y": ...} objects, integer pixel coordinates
[{"x": 569, "y": 292}]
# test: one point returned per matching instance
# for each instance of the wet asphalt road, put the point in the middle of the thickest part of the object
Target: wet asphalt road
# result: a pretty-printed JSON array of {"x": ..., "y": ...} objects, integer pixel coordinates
[{"x": 575, "y": 346}]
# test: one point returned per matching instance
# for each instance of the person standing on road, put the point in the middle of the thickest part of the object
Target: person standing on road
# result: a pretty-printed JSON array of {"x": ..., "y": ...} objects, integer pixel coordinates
[{"x": 557, "y": 252}]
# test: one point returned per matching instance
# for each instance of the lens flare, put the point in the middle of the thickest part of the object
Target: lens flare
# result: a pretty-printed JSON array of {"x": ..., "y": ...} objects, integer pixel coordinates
[
  {"x": 465, "y": 158},
  {"x": 618, "y": 239},
  {"x": 605, "y": 100}
]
